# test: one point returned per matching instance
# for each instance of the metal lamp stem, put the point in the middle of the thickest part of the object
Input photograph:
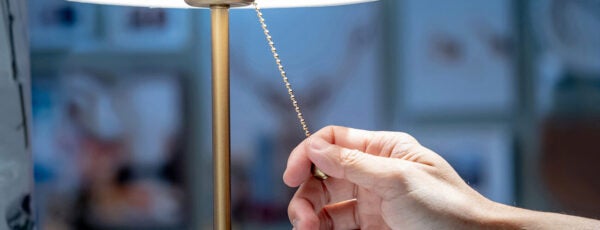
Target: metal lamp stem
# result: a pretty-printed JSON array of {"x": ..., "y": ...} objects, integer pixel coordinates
[{"x": 220, "y": 116}]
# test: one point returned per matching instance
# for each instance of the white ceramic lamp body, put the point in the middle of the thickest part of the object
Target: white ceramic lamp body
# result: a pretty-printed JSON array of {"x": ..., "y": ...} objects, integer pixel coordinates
[{"x": 261, "y": 3}]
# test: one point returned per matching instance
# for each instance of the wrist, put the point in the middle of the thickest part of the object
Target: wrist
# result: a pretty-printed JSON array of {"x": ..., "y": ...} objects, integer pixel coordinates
[
  {"x": 482, "y": 213},
  {"x": 487, "y": 214},
  {"x": 500, "y": 216}
]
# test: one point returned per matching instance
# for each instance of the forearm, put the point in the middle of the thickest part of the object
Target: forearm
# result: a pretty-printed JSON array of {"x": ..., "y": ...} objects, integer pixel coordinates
[{"x": 507, "y": 217}]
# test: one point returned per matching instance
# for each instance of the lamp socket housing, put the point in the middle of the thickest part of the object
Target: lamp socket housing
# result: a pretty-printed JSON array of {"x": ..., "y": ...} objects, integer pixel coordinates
[{"x": 208, "y": 3}]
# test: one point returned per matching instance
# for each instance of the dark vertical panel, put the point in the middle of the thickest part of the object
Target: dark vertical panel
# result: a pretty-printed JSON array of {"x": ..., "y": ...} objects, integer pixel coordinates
[
  {"x": 389, "y": 63},
  {"x": 524, "y": 124},
  {"x": 16, "y": 180}
]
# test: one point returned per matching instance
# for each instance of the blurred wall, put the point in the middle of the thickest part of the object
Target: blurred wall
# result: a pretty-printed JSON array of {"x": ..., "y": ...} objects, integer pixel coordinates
[{"x": 493, "y": 86}]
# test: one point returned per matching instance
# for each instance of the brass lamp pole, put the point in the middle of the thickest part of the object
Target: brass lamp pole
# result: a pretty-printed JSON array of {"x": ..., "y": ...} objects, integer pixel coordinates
[
  {"x": 219, "y": 10},
  {"x": 220, "y": 116}
]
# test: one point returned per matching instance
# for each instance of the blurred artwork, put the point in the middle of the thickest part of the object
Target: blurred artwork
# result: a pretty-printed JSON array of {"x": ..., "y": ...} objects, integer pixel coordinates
[
  {"x": 482, "y": 156},
  {"x": 331, "y": 56},
  {"x": 457, "y": 57},
  {"x": 139, "y": 28},
  {"x": 51, "y": 21},
  {"x": 568, "y": 29},
  {"x": 569, "y": 48},
  {"x": 108, "y": 152}
]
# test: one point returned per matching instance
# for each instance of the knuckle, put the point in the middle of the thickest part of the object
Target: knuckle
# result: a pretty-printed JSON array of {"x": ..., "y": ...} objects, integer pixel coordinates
[
  {"x": 404, "y": 143},
  {"x": 405, "y": 137},
  {"x": 400, "y": 172},
  {"x": 350, "y": 158},
  {"x": 330, "y": 128},
  {"x": 290, "y": 211},
  {"x": 400, "y": 149}
]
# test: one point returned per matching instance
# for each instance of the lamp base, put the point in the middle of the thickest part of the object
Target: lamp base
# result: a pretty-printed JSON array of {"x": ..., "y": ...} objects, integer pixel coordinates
[{"x": 208, "y": 3}]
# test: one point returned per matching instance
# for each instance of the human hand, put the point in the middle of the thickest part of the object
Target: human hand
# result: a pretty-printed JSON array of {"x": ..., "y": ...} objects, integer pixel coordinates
[{"x": 378, "y": 180}]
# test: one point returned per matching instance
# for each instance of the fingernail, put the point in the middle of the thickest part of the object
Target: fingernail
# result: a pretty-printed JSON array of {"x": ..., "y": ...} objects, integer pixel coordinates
[
  {"x": 294, "y": 224},
  {"x": 318, "y": 144}
]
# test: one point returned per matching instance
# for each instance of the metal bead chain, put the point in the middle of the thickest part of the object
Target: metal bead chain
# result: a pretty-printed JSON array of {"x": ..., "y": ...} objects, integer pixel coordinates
[
  {"x": 281, "y": 70},
  {"x": 317, "y": 173}
]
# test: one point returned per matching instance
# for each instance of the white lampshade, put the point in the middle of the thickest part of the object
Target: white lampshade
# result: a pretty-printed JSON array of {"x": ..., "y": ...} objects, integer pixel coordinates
[{"x": 261, "y": 3}]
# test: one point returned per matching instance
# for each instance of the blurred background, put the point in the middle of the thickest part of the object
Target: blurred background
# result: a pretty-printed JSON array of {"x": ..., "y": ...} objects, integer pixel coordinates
[{"x": 507, "y": 91}]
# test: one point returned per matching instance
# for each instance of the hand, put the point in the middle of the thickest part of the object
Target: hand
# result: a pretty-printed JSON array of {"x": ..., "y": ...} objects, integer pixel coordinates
[{"x": 378, "y": 180}]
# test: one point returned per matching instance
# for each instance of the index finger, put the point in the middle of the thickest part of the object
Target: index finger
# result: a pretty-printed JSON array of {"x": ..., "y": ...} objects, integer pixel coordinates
[{"x": 298, "y": 165}]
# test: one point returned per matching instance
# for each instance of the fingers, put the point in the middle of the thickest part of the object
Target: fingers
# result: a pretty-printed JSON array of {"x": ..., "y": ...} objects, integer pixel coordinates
[
  {"x": 302, "y": 215},
  {"x": 298, "y": 167},
  {"x": 346, "y": 137},
  {"x": 320, "y": 193},
  {"x": 376, "y": 143},
  {"x": 375, "y": 173},
  {"x": 342, "y": 215},
  {"x": 307, "y": 201},
  {"x": 339, "y": 190},
  {"x": 348, "y": 215},
  {"x": 316, "y": 194}
]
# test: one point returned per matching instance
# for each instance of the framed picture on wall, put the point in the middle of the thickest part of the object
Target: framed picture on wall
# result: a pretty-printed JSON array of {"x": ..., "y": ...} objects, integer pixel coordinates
[
  {"x": 457, "y": 57},
  {"x": 56, "y": 24},
  {"x": 110, "y": 152},
  {"x": 481, "y": 154},
  {"x": 147, "y": 29}
]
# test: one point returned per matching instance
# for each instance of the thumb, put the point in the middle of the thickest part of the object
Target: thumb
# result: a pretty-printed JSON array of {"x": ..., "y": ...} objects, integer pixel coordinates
[{"x": 375, "y": 173}]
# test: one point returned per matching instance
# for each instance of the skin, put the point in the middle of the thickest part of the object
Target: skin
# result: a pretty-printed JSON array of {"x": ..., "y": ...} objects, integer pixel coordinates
[{"x": 387, "y": 180}]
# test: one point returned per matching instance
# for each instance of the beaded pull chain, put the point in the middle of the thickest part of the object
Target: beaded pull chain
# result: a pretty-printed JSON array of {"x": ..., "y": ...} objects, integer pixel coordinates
[{"x": 316, "y": 172}]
